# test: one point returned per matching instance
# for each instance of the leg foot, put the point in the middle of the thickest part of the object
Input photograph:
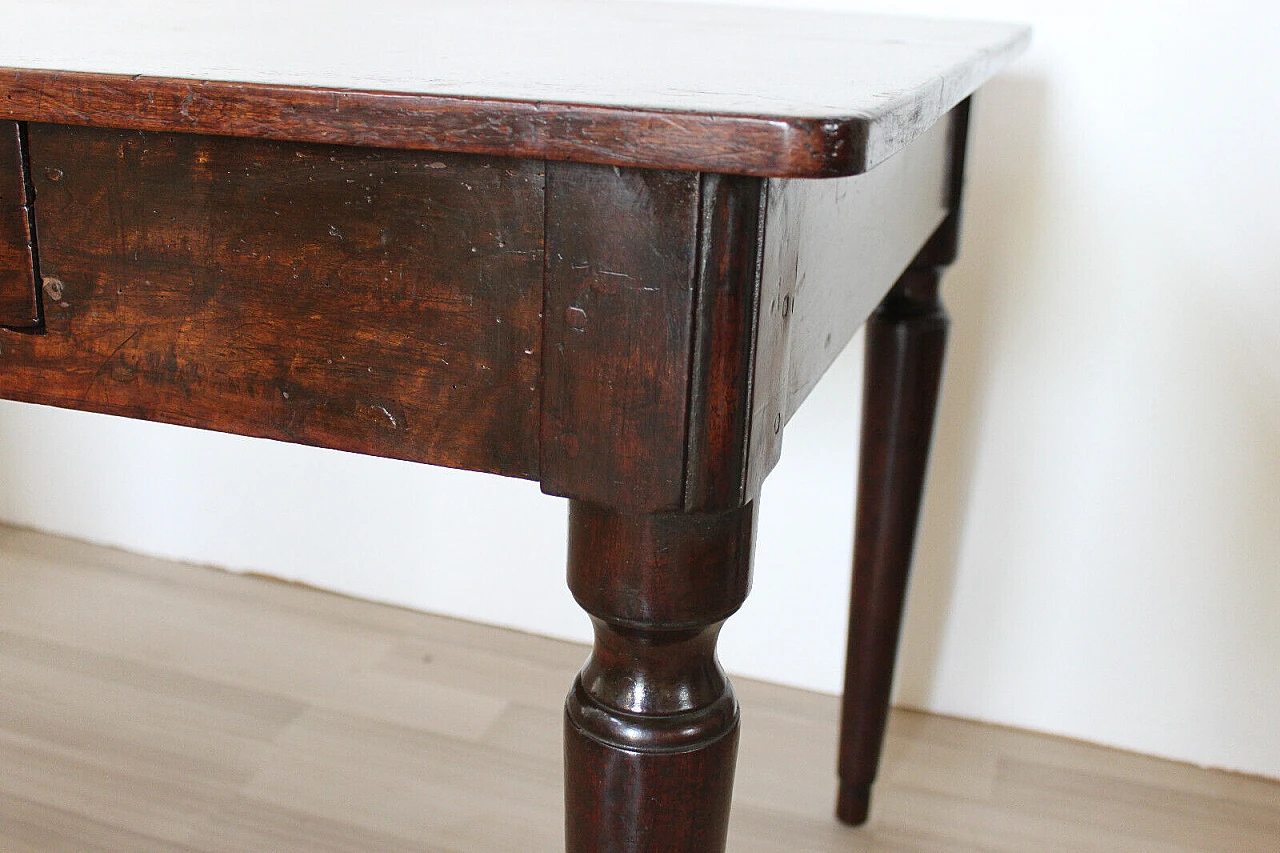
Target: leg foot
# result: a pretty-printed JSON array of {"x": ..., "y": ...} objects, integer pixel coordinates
[{"x": 854, "y": 804}]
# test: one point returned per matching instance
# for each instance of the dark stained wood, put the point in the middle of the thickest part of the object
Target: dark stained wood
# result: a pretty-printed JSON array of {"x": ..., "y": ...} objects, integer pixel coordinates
[
  {"x": 371, "y": 301},
  {"x": 625, "y": 801},
  {"x": 830, "y": 251},
  {"x": 844, "y": 243},
  {"x": 651, "y": 725},
  {"x": 906, "y": 340},
  {"x": 618, "y": 333},
  {"x": 764, "y": 307},
  {"x": 552, "y": 256},
  {"x": 677, "y": 86},
  {"x": 724, "y": 342},
  {"x": 19, "y": 301},
  {"x": 588, "y": 134},
  {"x": 671, "y": 570},
  {"x": 785, "y": 273},
  {"x": 778, "y": 262},
  {"x": 944, "y": 246}
]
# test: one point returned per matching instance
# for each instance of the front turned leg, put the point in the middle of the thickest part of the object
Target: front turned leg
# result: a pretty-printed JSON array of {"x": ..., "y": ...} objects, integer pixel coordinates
[
  {"x": 651, "y": 725},
  {"x": 905, "y": 340}
]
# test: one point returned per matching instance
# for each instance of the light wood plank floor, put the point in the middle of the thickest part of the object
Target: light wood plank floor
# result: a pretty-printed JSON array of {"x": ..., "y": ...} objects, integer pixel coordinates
[{"x": 147, "y": 706}]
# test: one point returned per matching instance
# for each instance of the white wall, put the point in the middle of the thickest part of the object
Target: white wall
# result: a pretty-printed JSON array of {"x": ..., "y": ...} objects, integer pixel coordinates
[{"x": 1101, "y": 555}]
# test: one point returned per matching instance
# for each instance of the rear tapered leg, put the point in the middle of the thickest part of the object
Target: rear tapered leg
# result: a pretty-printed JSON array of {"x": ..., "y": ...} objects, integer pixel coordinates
[{"x": 905, "y": 341}]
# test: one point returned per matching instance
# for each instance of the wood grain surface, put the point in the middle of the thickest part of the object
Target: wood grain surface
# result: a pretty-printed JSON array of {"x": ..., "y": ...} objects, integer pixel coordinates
[
  {"x": 372, "y": 301},
  {"x": 19, "y": 305},
  {"x": 391, "y": 302},
  {"x": 622, "y": 250},
  {"x": 725, "y": 333},
  {"x": 906, "y": 340},
  {"x": 680, "y": 86},
  {"x": 841, "y": 244},
  {"x": 150, "y": 707},
  {"x": 831, "y": 250},
  {"x": 906, "y": 343},
  {"x": 651, "y": 724}
]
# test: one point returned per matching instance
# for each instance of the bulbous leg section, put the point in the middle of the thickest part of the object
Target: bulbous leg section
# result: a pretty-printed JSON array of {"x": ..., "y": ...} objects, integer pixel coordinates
[{"x": 651, "y": 725}]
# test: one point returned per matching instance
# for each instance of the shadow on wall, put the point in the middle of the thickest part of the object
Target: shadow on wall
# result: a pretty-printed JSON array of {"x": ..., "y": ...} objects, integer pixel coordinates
[
  {"x": 1212, "y": 487},
  {"x": 1004, "y": 198}
]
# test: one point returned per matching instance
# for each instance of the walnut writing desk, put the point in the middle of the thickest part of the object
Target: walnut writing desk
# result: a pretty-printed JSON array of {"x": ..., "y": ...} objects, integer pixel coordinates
[{"x": 581, "y": 243}]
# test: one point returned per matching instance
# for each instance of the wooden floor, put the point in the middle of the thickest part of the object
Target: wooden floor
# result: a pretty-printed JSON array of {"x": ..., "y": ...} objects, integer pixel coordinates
[{"x": 147, "y": 706}]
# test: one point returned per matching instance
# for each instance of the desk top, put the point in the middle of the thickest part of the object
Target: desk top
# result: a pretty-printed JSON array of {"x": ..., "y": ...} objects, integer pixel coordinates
[{"x": 718, "y": 88}]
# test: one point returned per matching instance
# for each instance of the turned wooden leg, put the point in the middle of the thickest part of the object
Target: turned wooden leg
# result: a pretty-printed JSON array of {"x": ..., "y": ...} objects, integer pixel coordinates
[
  {"x": 651, "y": 725},
  {"x": 906, "y": 338}
]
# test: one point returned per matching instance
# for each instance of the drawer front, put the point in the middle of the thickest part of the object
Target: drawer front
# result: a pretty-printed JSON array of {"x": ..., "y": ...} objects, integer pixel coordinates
[
  {"x": 18, "y": 304},
  {"x": 375, "y": 301}
]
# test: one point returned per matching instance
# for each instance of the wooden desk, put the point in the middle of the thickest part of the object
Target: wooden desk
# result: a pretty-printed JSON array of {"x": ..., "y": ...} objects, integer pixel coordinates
[{"x": 571, "y": 242}]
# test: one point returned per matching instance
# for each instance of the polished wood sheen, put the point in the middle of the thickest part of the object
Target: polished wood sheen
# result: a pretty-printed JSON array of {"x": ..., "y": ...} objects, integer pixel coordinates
[
  {"x": 569, "y": 241},
  {"x": 906, "y": 340},
  {"x": 847, "y": 240},
  {"x": 621, "y": 260},
  {"x": 19, "y": 307},
  {"x": 675, "y": 86},
  {"x": 726, "y": 334},
  {"x": 651, "y": 725},
  {"x": 831, "y": 250},
  {"x": 374, "y": 301}
]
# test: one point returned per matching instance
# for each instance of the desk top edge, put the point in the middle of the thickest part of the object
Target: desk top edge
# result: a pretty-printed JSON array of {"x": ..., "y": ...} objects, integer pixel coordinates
[{"x": 769, "y": 92}]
